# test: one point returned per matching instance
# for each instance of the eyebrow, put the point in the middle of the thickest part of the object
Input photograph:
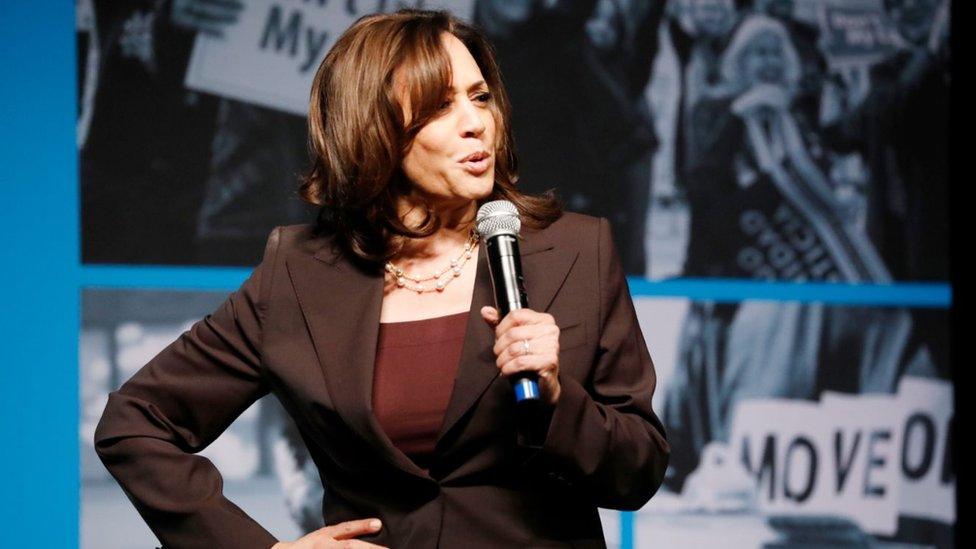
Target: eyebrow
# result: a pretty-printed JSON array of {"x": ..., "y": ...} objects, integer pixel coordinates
[{"x": 477, "y": 84}]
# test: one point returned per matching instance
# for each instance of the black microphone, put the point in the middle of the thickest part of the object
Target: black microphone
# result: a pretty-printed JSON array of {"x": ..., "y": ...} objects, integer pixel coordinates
[{"x": 499, "y": 224}]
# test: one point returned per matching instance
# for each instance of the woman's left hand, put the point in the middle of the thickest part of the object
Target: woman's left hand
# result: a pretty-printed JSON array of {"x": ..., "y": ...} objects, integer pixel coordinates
[{"x": 541, "y": 333}]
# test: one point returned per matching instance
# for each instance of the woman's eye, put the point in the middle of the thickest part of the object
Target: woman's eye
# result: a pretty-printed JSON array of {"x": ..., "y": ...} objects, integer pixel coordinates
[{"x": 482, "y": 97}]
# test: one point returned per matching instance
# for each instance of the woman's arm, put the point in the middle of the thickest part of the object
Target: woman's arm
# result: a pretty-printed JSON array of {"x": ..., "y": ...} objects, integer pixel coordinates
[
  {"x": 605, "y": 439},
  {"x": 179, "y": 403}
]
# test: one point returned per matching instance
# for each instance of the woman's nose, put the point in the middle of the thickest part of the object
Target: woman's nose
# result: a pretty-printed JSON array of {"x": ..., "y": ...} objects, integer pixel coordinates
[{"x": 472, "y": 122}]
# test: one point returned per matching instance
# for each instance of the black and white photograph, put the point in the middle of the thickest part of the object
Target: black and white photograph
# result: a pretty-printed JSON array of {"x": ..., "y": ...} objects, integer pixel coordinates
[
  {"x": 768, "y": 139},
  {"x": 794, "y": 423}
]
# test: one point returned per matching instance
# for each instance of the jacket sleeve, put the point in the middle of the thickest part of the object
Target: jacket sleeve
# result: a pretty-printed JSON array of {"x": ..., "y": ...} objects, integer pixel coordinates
[
  {"x": 604, "y": 439},
  {"x": 179, "y": 403}
]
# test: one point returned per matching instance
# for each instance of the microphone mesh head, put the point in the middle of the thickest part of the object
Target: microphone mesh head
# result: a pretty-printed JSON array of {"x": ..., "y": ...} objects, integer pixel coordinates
[{"x": 498, "y": 217}]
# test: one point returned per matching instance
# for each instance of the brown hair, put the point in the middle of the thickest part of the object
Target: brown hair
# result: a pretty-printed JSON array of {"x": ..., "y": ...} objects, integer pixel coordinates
[{"x": 358, "y": 136}]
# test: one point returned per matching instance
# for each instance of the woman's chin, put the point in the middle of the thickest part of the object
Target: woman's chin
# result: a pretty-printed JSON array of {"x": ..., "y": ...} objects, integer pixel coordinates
[
  {"x": 465, "y": 195},
  {"x": 480, "y": 187}
]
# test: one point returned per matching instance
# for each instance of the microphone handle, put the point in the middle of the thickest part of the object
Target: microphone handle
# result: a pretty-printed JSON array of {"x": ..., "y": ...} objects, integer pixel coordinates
[{"x": 505, "y": 266}]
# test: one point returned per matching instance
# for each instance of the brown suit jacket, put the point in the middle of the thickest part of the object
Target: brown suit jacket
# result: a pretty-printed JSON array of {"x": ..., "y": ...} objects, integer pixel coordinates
[{"x": 304, "y": 325}]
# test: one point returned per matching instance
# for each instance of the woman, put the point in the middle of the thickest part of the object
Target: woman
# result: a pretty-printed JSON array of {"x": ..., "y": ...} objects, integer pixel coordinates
[
  {"x": 763, "y": 208},
  {"x": 399, "y": 391},
  {"x": 780, "y": 217}
]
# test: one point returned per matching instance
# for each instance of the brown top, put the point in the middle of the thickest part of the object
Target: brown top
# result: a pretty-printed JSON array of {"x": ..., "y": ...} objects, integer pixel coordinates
[{"x": 416, "y": 363}]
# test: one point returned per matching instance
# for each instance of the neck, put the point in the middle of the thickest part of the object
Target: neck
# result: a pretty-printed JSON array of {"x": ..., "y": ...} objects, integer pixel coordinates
[{"x": 456, "y": 222}]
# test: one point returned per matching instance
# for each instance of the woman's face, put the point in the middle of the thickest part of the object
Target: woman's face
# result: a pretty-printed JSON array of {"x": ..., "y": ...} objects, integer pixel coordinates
[
  {"x": 763, "y": 61},
  {"x": 436, "y": 161}
]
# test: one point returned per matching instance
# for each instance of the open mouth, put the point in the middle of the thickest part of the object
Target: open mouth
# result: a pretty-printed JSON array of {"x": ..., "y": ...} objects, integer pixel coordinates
[{"x": 477, "y": 163}]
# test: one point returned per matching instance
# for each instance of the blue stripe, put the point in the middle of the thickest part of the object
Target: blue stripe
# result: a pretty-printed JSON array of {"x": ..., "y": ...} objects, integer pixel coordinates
[
  {"x": 626, "y": 529},
  {"x": 905, "y": 294},
  {"x": 166, "y": 278}
]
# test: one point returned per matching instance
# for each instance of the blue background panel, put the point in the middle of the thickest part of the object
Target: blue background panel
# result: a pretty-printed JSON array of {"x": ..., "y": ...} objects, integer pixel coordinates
[{"x": 40, "y": 275}]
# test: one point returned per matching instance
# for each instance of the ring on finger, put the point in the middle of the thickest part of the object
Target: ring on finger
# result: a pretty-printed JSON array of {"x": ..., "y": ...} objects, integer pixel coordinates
[{"x": 525, "y": 346}]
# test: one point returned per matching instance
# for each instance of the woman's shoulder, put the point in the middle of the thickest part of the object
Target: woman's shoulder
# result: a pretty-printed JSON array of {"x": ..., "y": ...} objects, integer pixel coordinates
[
  {"x": 302, "y": 238},
  {"x": 571, "y": 232},
  {"x": 568, "y": 228},
  {"x": 574, "y": 222}
]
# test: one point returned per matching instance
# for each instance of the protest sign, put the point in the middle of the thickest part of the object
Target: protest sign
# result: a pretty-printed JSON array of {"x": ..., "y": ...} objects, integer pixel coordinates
[
  {"x": 869, "y": 458},
  {"x": 782, "y": 444},
  {"x": 855, "y": 34},
  {"x": 928, "y": 475},
  {"x": 864, "y": 454},
  {"x": 270, "y": 55}
]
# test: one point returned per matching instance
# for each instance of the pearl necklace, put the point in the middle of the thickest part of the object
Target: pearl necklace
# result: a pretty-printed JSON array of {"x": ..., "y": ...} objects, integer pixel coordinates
[{"x": 455, "y": 266}]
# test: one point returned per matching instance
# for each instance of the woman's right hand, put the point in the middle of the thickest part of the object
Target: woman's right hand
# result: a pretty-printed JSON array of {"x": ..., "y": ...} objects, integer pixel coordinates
[{"x": 337, "y": 535}]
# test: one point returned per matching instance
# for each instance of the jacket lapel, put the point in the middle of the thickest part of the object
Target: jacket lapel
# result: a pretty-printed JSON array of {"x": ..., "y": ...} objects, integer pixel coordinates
[
  {"x": 544, "y": 268},
  {"x": 341, "y": 304}
]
